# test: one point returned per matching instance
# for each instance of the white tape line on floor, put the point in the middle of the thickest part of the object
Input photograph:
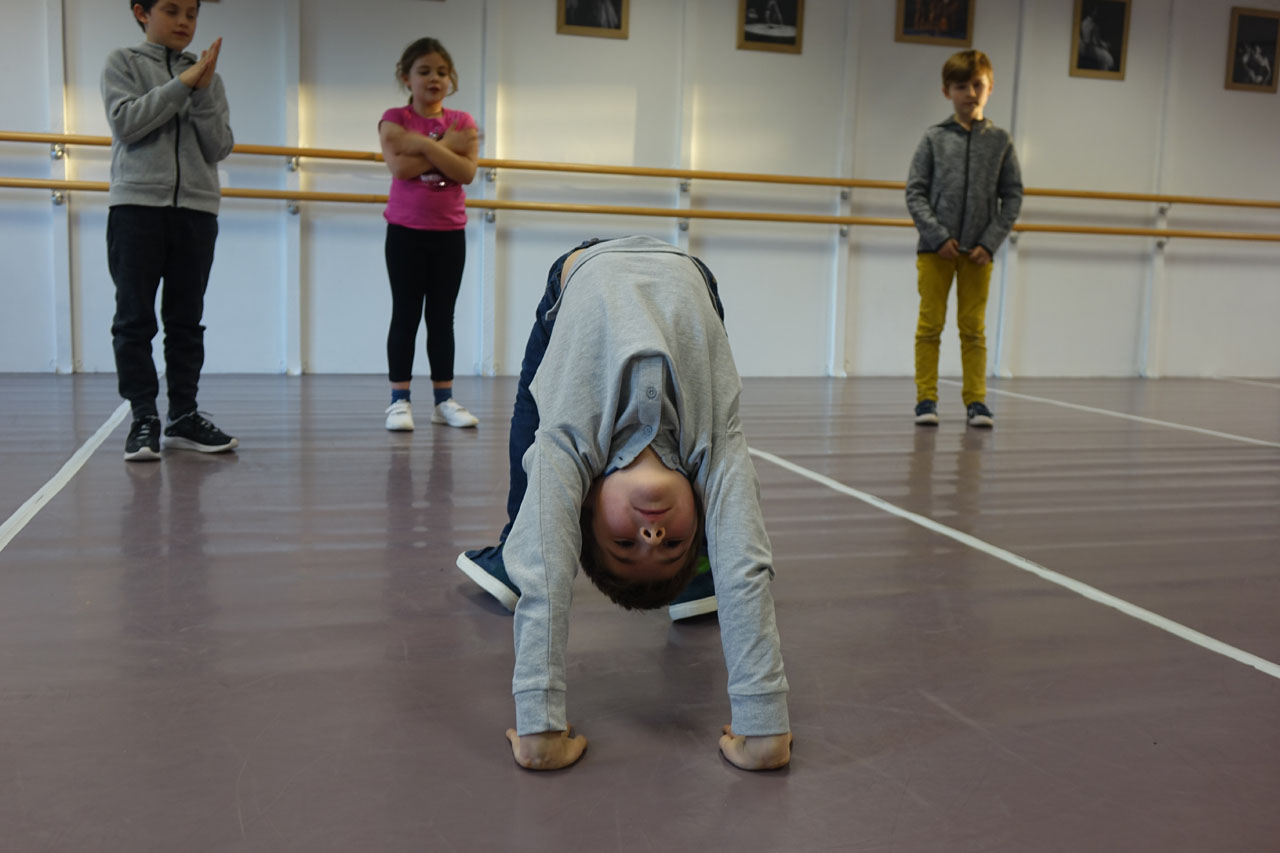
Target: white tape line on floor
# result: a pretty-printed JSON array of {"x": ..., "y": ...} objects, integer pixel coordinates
[
  {"x": 1092, "y": 593},
  {"x": 1125, "y": 416},
  {"x": 13, "y": 526}
]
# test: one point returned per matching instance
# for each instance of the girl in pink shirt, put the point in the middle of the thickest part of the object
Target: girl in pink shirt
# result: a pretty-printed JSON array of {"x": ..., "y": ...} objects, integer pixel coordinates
[{"x": 431, "y": 152}]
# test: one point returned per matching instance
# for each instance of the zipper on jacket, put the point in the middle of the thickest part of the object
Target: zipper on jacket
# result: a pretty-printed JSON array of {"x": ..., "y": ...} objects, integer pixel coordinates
[
  {"x": 177, "y": 138},
  {"x": 964, "y": 195}
]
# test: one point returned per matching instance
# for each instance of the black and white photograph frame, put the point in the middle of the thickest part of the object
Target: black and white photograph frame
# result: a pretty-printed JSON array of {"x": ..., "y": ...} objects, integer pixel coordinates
[
  {"x": 774, "y": 25},
  {"x": 599, "y": 18},
  {"x": 1251, "y": 49},
  {"x": 947, "y": 22},
  {"x": 1100, "y": 39}
]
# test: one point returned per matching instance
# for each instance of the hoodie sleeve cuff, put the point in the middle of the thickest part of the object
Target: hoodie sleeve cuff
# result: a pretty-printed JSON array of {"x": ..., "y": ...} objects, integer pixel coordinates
[
  {"x": 540, "y": 711},
  {"x": 765, "y": 714}
]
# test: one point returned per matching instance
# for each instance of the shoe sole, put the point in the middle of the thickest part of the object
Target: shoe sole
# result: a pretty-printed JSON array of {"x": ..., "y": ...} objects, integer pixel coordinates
[
  {"x": 400, "y": 428},
  {"x": 982, "y": 421},
  {"x": 439, "y": 420},
  {"x": 179, "y": 443},
  {"x": 689, "y": 609},
  {"x": 927, "y": 420},
  {"x": 488, "y": 582},
  {"x": 144, "y": 454}
]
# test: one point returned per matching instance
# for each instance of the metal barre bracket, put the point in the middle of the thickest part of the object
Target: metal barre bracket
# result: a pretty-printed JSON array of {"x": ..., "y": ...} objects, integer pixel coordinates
[
  {"x": 292, "y": 163},
  {"x": 490, "y": 216},
  {"x": 293, "y": 208},
  {"x": 57, "y": 151},
  {"x": 58, "y": 197}
]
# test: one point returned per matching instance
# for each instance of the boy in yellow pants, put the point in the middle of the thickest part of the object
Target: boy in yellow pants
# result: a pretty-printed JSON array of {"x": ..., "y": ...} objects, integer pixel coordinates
[{"x": 964, "y": 192}]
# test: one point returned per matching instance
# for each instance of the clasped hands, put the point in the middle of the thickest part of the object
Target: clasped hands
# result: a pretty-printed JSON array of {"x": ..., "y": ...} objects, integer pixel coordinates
[
  {"x": 950, "y": 250},
  {"x": 200, "y": 75}
]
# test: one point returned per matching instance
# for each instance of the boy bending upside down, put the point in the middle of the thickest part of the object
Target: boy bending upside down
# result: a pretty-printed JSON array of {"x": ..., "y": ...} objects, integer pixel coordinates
[{"x": 627, "y": 456}]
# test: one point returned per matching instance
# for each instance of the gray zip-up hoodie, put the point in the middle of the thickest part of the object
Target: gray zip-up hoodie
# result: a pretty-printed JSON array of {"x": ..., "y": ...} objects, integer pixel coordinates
[
  {"x": 639, "y": 357},
  {"x": 167, "y": 138},
  {"x": 964, "y": 184}
]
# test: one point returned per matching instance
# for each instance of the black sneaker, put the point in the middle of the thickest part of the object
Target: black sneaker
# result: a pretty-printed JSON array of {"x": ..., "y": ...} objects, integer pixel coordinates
[
  {"x": 699, "y": 596},
  {"x": 193, "y": 431},
  {"x": 143, "y": 443},
  {"x": 927, "y": 412},
  {"x": 486, "y": 568},
  {"x": 979, "y": 415}
]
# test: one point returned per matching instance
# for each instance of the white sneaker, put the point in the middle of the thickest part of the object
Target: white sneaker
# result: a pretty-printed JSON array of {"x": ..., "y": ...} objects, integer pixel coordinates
[
  {"x": 400, "y": 416},
  {"x": 451, "y": 413}
]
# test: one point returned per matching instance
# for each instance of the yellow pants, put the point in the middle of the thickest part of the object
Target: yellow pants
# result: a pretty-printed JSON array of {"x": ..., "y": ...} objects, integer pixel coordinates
[{"x": 972, "y": 283}]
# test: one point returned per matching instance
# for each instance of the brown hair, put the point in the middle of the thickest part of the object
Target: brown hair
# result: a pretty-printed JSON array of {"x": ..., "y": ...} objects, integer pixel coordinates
[
  {"x": 637, "y": 595},
  {"x": 964, "y": 66},
  {"x": 146, "y": 7},
  {"x": 419, "y": 49}
]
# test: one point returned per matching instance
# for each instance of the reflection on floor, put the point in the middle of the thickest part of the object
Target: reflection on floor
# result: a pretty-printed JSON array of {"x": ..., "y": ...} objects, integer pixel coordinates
[{"x": 272, "y": 649}]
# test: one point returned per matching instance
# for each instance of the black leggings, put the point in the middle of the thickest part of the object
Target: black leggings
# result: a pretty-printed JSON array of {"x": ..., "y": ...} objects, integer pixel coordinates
[{"x": 425, "y": 269}]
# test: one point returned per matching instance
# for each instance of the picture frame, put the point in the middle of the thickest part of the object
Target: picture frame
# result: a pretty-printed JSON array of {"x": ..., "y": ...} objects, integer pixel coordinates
[
  {"x": 1251, "y": 50},
  {"x": 773, "y": 25},
  {"x": 1099, "y": 39},
  {"x": 599, "y": 18},
  {"x": 946, "y": 22}
]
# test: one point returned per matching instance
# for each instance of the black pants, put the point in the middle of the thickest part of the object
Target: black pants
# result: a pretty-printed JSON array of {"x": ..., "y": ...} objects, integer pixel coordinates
[
  {"x": 425, "y": 269},
  {"x": 145, "y": 245}
]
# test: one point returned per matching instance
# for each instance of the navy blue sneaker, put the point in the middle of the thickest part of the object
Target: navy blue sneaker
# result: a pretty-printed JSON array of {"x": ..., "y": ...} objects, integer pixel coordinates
[
  {"x": 927, "y": 413},
  {"x": 699, "y": 596},
  {"x": 485, "y": 567},
  {"x": 979, "y": 415}
]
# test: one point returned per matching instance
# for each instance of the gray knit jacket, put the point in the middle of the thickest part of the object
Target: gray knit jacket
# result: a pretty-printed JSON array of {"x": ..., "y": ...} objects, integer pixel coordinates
[
  {"x": 167, "y": 138},
  {"x": 639, "y": 357},
  {"x": 964, "y": 184}
]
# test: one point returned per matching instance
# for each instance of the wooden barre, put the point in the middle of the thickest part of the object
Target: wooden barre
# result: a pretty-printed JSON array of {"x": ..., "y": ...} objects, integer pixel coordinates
[
  {"x": 675, "y": 213},
  {"x": 648, "y": 172}
]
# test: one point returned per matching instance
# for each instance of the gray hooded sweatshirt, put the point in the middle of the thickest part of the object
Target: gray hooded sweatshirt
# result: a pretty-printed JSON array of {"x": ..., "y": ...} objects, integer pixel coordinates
[
  {"x": 167, "y": 138},
  {"x": 640, "y": 358},
  {"x": 964, "y": 184}
]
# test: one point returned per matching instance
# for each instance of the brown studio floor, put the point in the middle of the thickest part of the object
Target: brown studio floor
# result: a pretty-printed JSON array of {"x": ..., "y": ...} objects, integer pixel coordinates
[{"x": 271, "y": 650}]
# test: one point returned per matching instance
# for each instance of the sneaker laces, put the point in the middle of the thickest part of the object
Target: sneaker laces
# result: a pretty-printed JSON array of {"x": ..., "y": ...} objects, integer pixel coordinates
[
  {"x": 145, "y": 427},
  {"x": 198, "y": 417}
]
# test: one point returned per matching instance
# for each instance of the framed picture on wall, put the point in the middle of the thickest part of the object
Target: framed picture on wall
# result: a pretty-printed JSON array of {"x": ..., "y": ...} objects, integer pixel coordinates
[
  {"x": 600, "y": 18},
  {"x": 776, "y": 25},
  {"x": 948, "y": 22},
  {"x": 1251, "y": 50},
  {"x": 1100, "y": 38}
]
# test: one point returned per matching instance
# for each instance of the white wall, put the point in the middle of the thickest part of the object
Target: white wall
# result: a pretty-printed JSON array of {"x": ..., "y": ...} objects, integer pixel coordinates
[
  {"x": 309, "y": 292},
  {"x": 28, "y": 332}
]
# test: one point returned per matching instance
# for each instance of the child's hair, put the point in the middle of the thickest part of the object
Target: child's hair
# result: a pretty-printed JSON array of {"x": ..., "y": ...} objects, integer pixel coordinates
[
  {"x": 421, "y": 48},
  {"x": 146, "y": 7},
  {"x": 633, "y": 595},
  {"x": 964, "y": 66}
]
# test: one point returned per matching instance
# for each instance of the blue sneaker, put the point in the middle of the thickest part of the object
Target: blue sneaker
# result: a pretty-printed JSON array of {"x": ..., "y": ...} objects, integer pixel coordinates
[
  {"x": 927, "y": 413},
  {"x": 699, "y": 596},
  {"x": 485, "y": 567},
  {"x": 979, "y": 415}
]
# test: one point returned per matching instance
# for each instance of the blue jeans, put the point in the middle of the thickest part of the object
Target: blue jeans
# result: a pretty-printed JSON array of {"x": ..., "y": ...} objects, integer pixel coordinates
[{"x": 524, "y": 415}]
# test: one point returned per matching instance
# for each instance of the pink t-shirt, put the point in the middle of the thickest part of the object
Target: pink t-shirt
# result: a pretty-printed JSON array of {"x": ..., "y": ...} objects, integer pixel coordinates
[{"x": 429, "y": 202}]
